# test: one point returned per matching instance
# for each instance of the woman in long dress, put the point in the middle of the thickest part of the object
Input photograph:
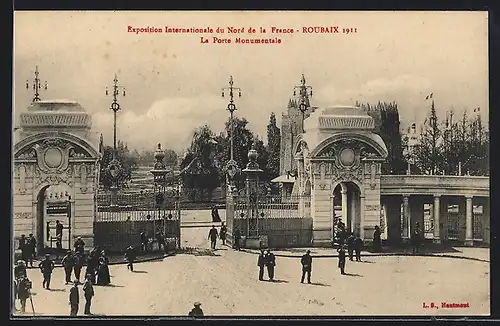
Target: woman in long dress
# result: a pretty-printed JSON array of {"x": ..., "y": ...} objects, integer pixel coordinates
[{"x": 103, "y": 277}]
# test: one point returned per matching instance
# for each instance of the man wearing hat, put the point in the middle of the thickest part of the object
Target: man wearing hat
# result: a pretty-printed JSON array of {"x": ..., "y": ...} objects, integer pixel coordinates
[
  {"x": 261, "y": 262},
  {"x": 88, "y": 290},
  {"x": 341, "y": 259},
  {"x": 20, "y": 270},
  {"x": 79, "y": 246},
  {"x": 196, "y": 311},
  {"x": 270, "y": 260},
  {"x": 74, "y": 298},
  {"x": 306, "y": 262},
  {"x": 68, "y": 263},
  {"x": 212, "y": 236},
  {"x": 46, "y": 266}
]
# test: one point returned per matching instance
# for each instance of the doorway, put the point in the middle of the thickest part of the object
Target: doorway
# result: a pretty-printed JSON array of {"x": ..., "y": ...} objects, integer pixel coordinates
[{"x": 347, "y": 207}]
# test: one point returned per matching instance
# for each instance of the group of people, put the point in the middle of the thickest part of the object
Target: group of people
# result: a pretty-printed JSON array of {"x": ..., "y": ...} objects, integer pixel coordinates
[
  {"x": 147, "y": 243},
  {"x": 98, "y": 267},
  {"x": 213, "y": 234},
  {"x": 268, "y": 260}
]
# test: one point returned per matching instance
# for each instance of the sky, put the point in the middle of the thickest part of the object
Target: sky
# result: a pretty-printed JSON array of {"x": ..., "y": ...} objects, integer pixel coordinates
[{"x": 173, "y": 82}]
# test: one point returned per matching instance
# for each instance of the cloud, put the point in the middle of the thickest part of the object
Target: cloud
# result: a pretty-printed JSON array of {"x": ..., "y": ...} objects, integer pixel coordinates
[{"x": 169, "y": 121}]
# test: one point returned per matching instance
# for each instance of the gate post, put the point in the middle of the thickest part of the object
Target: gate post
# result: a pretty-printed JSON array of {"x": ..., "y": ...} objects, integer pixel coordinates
[
  {"x": 159, "y": 172},
  {"x": 252, "y": 190}
]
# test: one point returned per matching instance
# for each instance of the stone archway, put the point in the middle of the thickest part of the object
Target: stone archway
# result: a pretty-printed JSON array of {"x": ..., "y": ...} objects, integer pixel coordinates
[
  {"x": 346, "y": 206},
  {"x": 50, "y": 159}
]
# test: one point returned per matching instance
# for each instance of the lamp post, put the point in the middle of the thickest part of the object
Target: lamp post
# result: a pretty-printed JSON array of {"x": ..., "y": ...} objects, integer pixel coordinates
[
  {"x": 37, "y": 86},
  {"x": 114, "y": 167},
  {"x": 231, "y": 166},
  {"x": 159, "y": 172},
  {"x": 303, "y": 97}
]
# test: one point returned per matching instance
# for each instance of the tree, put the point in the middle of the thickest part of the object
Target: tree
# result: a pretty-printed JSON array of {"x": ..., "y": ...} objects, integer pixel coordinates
[
  {"x": 429, "y": 152},
  {"x": 170, "y": 158},
  {"x": 203, "y": 173},
  {"x": 273, "y": 148},
  {"x": 387, "y": 126}
]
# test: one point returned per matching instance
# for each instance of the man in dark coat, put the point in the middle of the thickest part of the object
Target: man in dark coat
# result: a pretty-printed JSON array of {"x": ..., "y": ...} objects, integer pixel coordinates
[
  {"x": 358, "y": 246},
  {"x": 212, "y": 235},
  {"x": 92, "y": 264},
  {"x": 261, "y": 263},
  {"x": 74, "y": 299},
  {"x": 350, "y": 245},
  {"x": 306, "y": 262},
  {"x": 88, "y": 290},
  {"x": 78, "y": 266},
  {"x": 130, "y": 256},
  {"x": 223, "y": 233},
  {"x": 144, "y": 241},
  {"x": 68, "y": 263},
  {"x": 20, "y": 270},
  {"x": 416, "y": 238},
  {"x": 59, "y": 228},
  {"x": 79, "y": 246},
  {"x": 23, "y": 246},
  {"x": 237, "y": 238},
  {"x": 46, "y": 266},
  {"x": 270, "y": 261},
  {"x": 196, "y": 311},
  {"x": 59, "y": 248},
  {"x": 23, "y": 291},
  {"x": 377, "y": 240},
  {"x": 32, "y": 242},
  {"x": 160, "y": 238},
  {"x": 341, "y": 252}
]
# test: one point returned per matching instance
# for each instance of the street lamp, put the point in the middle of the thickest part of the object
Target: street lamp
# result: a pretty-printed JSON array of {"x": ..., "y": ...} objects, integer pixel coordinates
[
  {"x": 114, "y": 167},
  {"x": 303, "y": 97},
  {"x": 37, "y": 86},
  {"x": 231, "y": 166},
  {"x": 159, "y": 172}
]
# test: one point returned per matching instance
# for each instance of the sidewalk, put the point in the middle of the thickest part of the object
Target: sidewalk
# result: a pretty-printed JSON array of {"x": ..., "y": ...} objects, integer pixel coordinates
[
  {"x": 470, "y": 253},
  {"x": 114, "y": 259}
]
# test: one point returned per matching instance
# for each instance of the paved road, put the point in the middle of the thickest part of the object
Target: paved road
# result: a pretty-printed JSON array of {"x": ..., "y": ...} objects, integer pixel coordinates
[{"x": 227, "y": 284}]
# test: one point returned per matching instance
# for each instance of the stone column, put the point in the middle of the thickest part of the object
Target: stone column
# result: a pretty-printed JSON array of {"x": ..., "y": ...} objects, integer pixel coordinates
[
  {"x": 486, "y": 221},
  {"x": 468, "y": 221},
  {"x": 352, "y": 212},
  {"x": 345, "y": 208},
  {"x": 406, "y": 217},
  {"x": 362, "y": 218},
  {"x": 437, "y": 211}
]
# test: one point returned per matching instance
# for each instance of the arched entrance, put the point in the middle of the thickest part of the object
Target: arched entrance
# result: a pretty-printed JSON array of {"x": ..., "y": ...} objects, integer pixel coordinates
[
  {"x": 53, "y": 203},
  {"x": 346, "y": 206}
]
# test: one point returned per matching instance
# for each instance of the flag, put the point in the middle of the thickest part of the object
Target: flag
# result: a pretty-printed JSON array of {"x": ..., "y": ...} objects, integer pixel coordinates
[
  {"x": 431, "y": 95},
  {"x": 427, "y": 97}
]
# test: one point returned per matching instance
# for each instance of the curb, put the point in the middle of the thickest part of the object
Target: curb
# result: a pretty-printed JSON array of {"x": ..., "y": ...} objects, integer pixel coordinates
[{"x": 380, "y": 255}]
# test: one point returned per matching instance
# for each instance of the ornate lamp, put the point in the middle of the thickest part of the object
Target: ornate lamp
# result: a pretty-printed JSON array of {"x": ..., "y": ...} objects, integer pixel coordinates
[
  {"x": 252, "y": 190},
  {"x": 159, "y": 172}
]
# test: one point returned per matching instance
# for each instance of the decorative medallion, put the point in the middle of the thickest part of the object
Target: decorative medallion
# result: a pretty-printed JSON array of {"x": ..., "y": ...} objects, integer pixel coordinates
[
  {"x": 347, "y": 157},
  {"x": 232, "y": 168},
  {"x": 53, "y": 157}
]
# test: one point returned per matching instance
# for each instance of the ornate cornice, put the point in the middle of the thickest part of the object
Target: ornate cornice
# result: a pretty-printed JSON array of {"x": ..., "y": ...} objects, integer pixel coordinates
[{"x": 348, "y": 122}]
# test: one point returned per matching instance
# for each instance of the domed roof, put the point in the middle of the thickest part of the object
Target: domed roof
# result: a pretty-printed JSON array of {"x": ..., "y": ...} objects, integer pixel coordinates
[
  {"x": 56, "y": 105},
  {"x": 339, "y": 117},
  {"x": 344, "y": 110}
]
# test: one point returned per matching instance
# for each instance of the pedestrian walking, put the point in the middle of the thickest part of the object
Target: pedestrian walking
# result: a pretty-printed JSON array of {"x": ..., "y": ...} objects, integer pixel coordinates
[
  {"x": 68, "y": 263},
  {"x": 270, "y": 260},
  {"x": 74, "y": 299},
  {"x": 196, "y": 311},
  {"x": 59, "y": 228},
  {"x": 237, "y": 238},
  {"x": 78, "y": 265},
  {"x": 350, "y": 245},
  {"x": 223, "y": 233},
  {"x": 130, "y": 257},
  {"x": 358, "y": 246},
  {"x": 59, "y": 248},
  {"x": 20, "y": 270},
  {"x": 46, "y": 267},
  {"x": 88, "y": 290},
  {"x": 306, "y": 262},
  {"x": 341, "y": 252},
  {"x": 23, "y": 292},
  {"x": 212, "y": 236},
  {"x": 416, "y": 238},
  {"x": 261, "y": 263},
  {"x": 377, "y": 241},
  {"x": 144, "y": 241},
  {"x": 92, "y": 264},
  {"x": 25, "y": 250},
  {"x": 32, "y": 242}
]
